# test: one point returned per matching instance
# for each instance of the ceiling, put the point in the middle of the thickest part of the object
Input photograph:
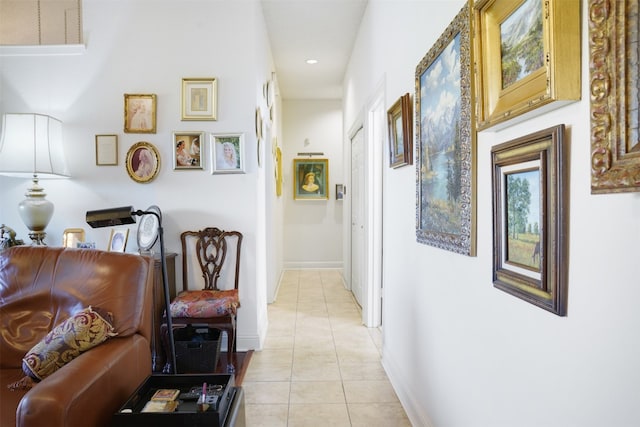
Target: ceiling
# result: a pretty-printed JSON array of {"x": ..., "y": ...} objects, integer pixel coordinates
[{"x": 324, "y": 30}]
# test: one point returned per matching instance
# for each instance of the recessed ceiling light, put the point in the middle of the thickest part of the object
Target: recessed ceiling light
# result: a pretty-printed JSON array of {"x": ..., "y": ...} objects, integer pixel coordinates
[{"x": 311, "y": 61}]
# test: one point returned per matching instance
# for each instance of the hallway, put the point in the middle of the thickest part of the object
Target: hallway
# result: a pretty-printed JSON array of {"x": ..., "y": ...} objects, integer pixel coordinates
[{"x": 319, "y": 365}]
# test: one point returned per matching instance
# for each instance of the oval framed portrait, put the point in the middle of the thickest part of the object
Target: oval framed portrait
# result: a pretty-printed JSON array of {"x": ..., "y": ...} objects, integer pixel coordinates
[
  {"x": 148, "y": 229},
  {"x": 143, "y": 162}
]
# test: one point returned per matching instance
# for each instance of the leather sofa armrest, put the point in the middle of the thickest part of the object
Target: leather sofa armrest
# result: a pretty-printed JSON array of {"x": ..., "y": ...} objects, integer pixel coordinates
[{"x": 91, "y": 388}]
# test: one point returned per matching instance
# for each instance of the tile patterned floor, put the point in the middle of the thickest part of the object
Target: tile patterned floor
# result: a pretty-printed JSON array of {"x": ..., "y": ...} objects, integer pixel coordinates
[{"x": 319, "y": 365}]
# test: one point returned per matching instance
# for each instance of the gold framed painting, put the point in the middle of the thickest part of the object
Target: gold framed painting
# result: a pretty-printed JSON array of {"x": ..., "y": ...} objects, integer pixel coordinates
[
  {"x": 143, "y": 162},
  {"x": 614, "y": 80},
  {"x": 311, "y": 179},
  {"x": 527, "y": 58},
  {"x": 199, "y": 98},
  {"x": 139, "y": 113}
]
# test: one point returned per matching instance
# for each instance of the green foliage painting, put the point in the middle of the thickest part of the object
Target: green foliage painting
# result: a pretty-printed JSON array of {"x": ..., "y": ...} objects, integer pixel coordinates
[
  {"x": 522, "y": 46},
  {"x": 523, "y": 219}
]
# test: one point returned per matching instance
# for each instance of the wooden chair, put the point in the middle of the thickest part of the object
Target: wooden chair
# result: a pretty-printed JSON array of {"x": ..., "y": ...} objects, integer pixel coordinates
[{"x": 212, "y": 250}]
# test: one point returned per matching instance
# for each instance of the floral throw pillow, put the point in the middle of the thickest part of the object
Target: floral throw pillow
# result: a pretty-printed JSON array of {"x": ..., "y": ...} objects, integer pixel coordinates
[{"x": 79, "y": 333}]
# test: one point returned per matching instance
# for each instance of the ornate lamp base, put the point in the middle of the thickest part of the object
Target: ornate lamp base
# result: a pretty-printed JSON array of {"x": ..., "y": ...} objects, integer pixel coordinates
[{"x": 37, "y": 238}]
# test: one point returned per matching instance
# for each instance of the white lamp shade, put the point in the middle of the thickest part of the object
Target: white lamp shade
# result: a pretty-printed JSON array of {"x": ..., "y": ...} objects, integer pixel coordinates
[{"x": 32, "y": 144}]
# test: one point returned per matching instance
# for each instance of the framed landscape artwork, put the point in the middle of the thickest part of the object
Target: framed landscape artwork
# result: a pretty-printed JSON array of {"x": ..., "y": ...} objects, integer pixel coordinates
[
  {"x": 527, "y": 57},
  {"x": 445, "y": 142},
  {"x": 310, "y": 179},
  {"x": 400, "y": 122},
  {"x": 530, "y": 219}
]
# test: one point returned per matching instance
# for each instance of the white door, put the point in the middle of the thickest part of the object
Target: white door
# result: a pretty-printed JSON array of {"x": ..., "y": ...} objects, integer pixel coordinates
[{"x": 357, "y": 215}]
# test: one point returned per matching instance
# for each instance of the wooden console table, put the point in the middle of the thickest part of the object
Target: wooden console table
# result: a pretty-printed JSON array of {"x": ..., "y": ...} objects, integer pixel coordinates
[{"x": 157, "y": 350}]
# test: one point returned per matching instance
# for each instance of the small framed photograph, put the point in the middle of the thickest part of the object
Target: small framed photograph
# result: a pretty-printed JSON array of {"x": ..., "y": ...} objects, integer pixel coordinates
[
  {"x": 311, "y": 179},
  {"x": 140, "y": 113},
  {"x": 118, "y": 239},
  {"x": 106, "y": 150},
  {"x": 228, "y": 153},
  {"x": 143, "y": 162},
  {"x": 72, "y": 236},
  {"x": 199, "y": 99},
  {"x": 340, "y": 191},
  {"x": 530, "y": 208},
  {"x": 187, "y": 150},
  {"x": 399, "y": 118}
]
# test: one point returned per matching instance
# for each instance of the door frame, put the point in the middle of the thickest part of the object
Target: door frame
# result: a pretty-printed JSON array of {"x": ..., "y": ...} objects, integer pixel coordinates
[{"x": 373, "y": 122}]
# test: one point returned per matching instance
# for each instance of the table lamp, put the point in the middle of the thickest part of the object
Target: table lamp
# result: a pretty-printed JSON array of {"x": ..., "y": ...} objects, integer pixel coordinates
[
  {"x": 126, "y": 215},
  {"x": 31, "y": 147}
]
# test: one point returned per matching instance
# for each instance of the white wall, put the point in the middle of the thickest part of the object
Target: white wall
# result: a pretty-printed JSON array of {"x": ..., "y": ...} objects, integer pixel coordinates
[
  {"x": 459, "y": 352},
  {"x": 312, "y": 228},
  {"x": 142, "y": 47}
]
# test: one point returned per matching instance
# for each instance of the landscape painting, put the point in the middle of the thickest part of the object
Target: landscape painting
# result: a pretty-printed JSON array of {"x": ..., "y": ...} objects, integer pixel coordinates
[
  {"x": 523, "y": 219},
  {"x": 446, "y": 149},
  {"x": 522, "y": 46}
]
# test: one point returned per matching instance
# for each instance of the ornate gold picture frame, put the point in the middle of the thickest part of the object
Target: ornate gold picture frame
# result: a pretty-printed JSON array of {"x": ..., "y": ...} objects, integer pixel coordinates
[
  {"x": 527, "y": 58},
  {"x": 614, "y": 80},
  {"x": 143, "y": 162},
  {"x": 139, "y": 113},
  {"x": 400, "y": 121}
]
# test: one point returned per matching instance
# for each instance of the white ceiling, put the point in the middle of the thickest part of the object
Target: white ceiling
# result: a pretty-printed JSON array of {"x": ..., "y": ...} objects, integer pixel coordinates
[{"x": 320, "y": 29}]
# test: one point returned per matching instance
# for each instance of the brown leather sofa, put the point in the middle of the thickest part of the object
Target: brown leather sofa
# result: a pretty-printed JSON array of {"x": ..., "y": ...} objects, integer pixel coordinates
[{"x": 42, "y": 286}]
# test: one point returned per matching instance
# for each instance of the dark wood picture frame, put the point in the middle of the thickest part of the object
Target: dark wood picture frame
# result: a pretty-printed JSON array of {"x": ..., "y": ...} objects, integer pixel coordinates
[
  {"x": 446, "y": 141},
  {"x": 399, "y": 118},
  {"x": 530, "y": 214},
  {"x": 614, "y": 80}
]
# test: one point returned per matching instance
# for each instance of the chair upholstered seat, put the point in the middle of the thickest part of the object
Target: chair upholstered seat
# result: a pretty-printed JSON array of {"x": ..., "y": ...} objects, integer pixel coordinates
[
  {"x": 216, "y": 255},
  {"x": 205, "y": 303}
]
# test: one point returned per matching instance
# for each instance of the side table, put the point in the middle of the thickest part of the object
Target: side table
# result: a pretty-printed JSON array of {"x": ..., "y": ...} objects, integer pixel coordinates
[{"x": 157, "y": 351}]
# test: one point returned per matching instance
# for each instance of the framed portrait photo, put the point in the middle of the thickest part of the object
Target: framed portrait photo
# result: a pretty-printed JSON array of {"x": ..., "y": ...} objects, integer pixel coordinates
[
  {"x": 143, "y": 162},
  {"x": 139, "y": 113},
  {"x": 445, "y": 142},
  {"x": 530, "y": 219},
  {"x": 400, "y": 120},
  {"x": 199, "y": 99},
  {"x": 106, "y": 150},
  {"x": 528, "y": 58},
  {"x": 118, "y": 239},
  {"x": 310, "y": 179},
  {"x": 188, "y": 150},
  {"x": 228, "y": 153}
]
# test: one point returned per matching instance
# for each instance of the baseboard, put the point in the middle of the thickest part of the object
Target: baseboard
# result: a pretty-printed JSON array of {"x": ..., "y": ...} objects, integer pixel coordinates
[
  {"x": 292, "y": 265},
  {"x": 413, "y": 409}
]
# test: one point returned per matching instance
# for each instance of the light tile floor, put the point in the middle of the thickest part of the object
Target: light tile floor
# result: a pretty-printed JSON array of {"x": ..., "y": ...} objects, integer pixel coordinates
[{"x": 319, "y": 366}]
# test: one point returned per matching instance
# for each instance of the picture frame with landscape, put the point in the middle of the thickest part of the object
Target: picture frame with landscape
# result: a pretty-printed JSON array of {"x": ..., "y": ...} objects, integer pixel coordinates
[
  {"x": 527, "y": 58},
  {"x": 530, "y": 205},
  {"x": 400, "y": 122},
  {"x": 446, "y": 141}
]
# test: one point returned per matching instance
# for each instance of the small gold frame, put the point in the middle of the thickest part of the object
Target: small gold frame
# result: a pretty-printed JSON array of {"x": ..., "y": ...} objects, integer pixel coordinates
[
  {"x": 143, "y": 162},
  {"x": 106, "y": 150},
  {"x": 556, "y": 82},
  {"x": 72, "y": 236},
  {"x": 139, "y": 113}
]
